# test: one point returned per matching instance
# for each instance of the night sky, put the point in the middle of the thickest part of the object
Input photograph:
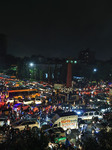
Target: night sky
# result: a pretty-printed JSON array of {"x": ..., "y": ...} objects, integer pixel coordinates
[{"x": 57, "y": 28}]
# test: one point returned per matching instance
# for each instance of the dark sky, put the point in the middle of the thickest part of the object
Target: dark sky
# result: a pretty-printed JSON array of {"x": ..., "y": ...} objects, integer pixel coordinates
[{"x": 57, "y": 28}]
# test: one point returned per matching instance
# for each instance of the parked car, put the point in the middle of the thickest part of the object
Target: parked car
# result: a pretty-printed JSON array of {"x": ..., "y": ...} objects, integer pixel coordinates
[
  {"x": 28, "y": 101},
  {"x": 23, "y": 123},
  {"x": 12, "y": 101},
  {"x": 91, "y": 115}
]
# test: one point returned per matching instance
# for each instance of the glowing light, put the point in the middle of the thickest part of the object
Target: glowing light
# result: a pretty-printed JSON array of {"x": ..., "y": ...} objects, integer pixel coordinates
[
  {"x": 46, "y": 75},
  {"x": 67, "y": 61},
  {"x": 78, "y": 112},
  {"x": 31, "y": 64},
  {"x": 94, "y": 70}
]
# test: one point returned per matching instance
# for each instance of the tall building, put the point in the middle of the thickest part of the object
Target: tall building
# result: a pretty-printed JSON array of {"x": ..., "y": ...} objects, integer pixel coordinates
[{"x": 86, "y": 56}]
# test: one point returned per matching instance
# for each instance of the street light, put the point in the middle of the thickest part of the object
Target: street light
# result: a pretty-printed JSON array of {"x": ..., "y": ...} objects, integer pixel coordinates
[
  {"x": 94, "y": 70},
  {"x": 31, "y": 64},
  {"x": 31, "y": 70}
]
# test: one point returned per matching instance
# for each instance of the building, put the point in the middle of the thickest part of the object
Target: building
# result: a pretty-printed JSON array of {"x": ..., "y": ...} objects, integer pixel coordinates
[
  {"x": 41, "y": 69},
  {"x": 86, "y": 56}
]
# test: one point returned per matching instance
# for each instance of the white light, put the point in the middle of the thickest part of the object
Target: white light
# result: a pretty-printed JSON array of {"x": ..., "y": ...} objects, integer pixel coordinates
[
  {"x": 31, "y": 64},
  {"x": 97, "y": 131},
  {"x": 38, "y": 102},
  {"x": 103, "y": 110},
  {"x": 46, "y": 75},
  {"x": 94, "y": 69},
  {"x": 78, "y": 112}
]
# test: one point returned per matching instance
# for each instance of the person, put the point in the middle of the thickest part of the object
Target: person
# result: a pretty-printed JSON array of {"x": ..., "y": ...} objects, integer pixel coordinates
[{"x": 67, "y": 143}]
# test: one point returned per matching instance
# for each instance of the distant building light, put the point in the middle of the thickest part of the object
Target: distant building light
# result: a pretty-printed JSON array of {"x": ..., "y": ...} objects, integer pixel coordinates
[
  {"x": 46, "y": 75},
  {"x": 31, "y": 64},
  {"x": 94, "y": 70},
  {"x": 52, "y": 76},
  {"x": 75, "y": 62},
  {"x": 75, "y": 77},
  {"x": 67, "y": 61}
]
